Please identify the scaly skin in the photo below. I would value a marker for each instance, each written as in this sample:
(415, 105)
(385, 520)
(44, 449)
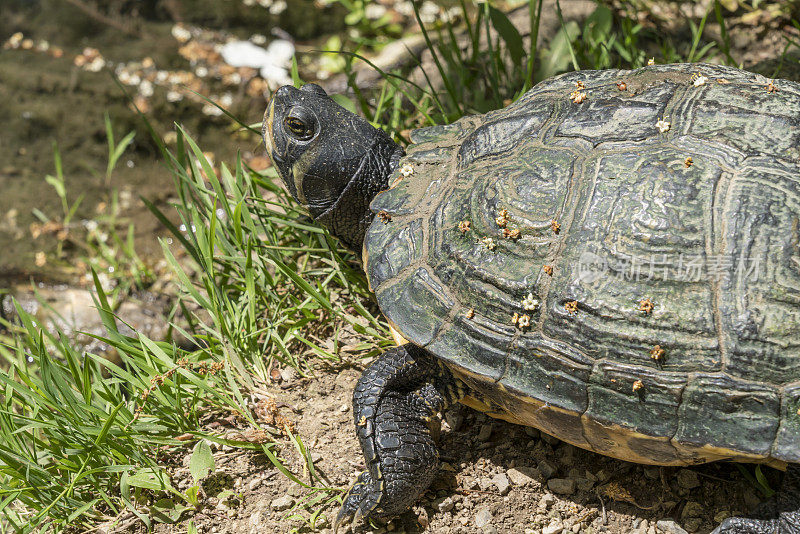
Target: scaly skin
(781, 513)
(396, 397)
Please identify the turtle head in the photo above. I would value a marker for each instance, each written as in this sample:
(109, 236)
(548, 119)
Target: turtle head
(332, 161)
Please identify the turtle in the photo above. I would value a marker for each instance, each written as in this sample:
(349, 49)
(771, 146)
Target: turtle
(612, 259)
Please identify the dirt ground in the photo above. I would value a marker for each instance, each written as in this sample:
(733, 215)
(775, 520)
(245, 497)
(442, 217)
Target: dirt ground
(497, 477)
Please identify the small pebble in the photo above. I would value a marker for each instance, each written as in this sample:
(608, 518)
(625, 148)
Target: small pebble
(688, 479)
(282, 503)
(500, 480)
(553, 528)
(483, 517)
(668, 526)
(721, 516)
(550, 440)
(692, 509)
(546, 468)
(444, 505)
(519, 477)
(564, 486)
(485, 432)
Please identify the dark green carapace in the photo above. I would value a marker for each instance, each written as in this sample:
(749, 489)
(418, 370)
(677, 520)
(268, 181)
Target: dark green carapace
(711, 241)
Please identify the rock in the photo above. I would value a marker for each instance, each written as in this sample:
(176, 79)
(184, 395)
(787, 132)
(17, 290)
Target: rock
(454, 419)
(489, 529)
(483, 517)
(255, 518)
(343, 408)
(443, 505)
(547, 500)
(72, 311)
(546, 468)
(553, 528)
(550, 440)
(721, 516)
(751, 499)
(254, 484)
(564, 486)
(692, 524)
(288, 374)
(519, 477)
(688, 479)
(584, 484)
(485, 432)
(500, 480)
(574, 473)
(651, 473)
(668, 526)
(282, 503)
(532, 432)
(692, 509)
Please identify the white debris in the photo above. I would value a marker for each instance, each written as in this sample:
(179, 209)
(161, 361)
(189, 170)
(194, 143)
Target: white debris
(96, 65)
(174, 96)
(700, 80)
(273, 61)
(226, 100)
(374, 11)
(146, 89)
(180, 33)
(662, 125)
(212, 110)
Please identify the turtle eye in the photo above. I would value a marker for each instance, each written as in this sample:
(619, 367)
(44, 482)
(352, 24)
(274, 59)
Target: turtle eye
(300, 129)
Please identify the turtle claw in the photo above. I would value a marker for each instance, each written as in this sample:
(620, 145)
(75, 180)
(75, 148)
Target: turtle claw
(738, 525)
(787, 523)
(359, 502)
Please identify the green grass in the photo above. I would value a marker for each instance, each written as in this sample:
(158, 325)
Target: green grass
(84, 440)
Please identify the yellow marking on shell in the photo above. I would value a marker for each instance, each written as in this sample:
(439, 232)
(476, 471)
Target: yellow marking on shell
(396, 335)
(609, 439)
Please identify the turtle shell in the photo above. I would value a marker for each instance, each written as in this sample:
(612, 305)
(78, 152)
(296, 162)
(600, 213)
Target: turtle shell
(613, 259)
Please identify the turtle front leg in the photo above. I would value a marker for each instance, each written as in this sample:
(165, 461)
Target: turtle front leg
(783, 509)
(393, 402)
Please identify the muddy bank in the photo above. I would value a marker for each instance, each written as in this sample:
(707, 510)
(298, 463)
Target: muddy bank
(50, 99)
